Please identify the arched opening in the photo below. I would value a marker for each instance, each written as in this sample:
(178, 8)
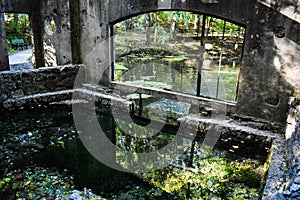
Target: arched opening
(179, 51)
(18, 38)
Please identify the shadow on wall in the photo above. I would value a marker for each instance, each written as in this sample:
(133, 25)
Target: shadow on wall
(283, 51)
(271, 72)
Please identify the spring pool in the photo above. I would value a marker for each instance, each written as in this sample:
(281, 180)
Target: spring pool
(42, 157)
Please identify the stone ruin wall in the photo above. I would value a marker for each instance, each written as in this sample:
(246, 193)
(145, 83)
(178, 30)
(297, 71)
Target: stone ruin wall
(270, 73)
(292, 189)
(57, 44)
(18, 84)
(270, 68)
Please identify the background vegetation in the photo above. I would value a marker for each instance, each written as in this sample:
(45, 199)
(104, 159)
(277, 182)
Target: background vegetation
(17, 26)
(183, 41)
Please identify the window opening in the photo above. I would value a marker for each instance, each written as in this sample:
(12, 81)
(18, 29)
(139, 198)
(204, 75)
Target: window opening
(18, 39)
(179, 51)
(50, 26)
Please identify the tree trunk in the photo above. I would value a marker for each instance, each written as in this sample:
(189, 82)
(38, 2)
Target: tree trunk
(148, 29)
(173, 29)
(16, 18)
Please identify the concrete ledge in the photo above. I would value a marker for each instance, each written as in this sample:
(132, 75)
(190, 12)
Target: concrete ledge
(104, 103)
(38, 99)
(198, 103)
(101, 102)
(283, 181)
(276, 174)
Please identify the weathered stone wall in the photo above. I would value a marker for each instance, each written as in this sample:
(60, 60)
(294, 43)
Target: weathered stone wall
(270, 71)
(292, 189)
(270, 68)
(17, 6)
(289, 8)
(57, 42)
(17, 84)
(96, 30)
(283, 181)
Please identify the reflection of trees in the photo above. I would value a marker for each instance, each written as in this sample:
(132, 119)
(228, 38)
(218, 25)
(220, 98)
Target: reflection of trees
(175, 22)
(221, 42)
(198, 172)
(211, 176)
(136, 138)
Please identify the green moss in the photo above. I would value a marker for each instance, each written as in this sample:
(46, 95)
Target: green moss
(174, 58)
(216, 178)
(145, 58)
(137, 96)
(120, 66)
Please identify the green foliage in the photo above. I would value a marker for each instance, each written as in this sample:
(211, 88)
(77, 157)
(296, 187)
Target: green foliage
(141, 20)
(52, 26)
(184, 21)
(4, 181)
(37, 182)
(217, 175)
(140, 142)
(12, 51)
(179, 32)
(174, 58)
(141, 194)
(61, 143)
(118, 76)
(217, 178)
(181, 17)
(17, 26)
(120, 66)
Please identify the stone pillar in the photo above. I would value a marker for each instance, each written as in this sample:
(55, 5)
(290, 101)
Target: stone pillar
(76, 31)
(37, 27)
(4, 65)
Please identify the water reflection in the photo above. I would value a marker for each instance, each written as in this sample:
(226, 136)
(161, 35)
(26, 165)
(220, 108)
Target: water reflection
(148, 47)
(199, 172)
(196, 173)
(181, 76)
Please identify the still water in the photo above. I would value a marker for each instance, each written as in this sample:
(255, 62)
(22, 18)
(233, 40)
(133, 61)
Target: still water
(181, 76)
(42, 157)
